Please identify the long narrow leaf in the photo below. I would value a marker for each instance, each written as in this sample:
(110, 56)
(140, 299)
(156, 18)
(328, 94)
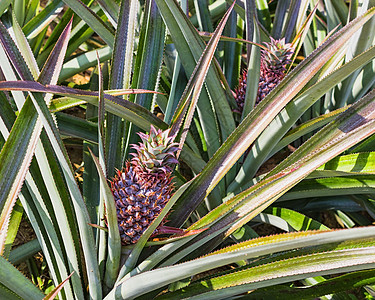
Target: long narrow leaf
(120, 76)
(190, 47)
(334, 285)
(114, 241)
(49, 74)
(15, 281)
(352, 126)
(131, 287)
(102, 29)
(75, 194)
(133, 112)
(79, 205)
(195, 83)
(330, 262)
(257, 121)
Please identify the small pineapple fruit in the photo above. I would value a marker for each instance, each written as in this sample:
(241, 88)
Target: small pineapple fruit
(272, 70)
(144, 186)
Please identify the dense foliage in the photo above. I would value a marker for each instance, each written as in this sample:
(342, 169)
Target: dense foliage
(236, 219)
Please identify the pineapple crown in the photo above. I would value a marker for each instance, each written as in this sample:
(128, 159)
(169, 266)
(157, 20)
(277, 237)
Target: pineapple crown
(156, 153)
(277, 55)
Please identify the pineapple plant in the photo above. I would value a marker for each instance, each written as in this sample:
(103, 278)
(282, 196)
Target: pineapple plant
(224, 203)
(274, 59)
(144, 186)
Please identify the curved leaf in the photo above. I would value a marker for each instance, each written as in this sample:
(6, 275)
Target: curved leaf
(114, 241)
(332, 186)
(15, 281)
(326, 144)
(133, 112)
(53, 294)
(92, 19)
(288, 117)
(331, 262)
(330, 286)
(190, 47)
(133, 287)
(257, 121)
(294, 220)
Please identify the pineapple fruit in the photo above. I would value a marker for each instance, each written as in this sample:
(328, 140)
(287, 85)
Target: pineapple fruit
(144, 186)
(272, 70)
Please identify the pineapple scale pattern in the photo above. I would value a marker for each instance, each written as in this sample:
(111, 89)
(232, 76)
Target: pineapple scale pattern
(144, 186)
